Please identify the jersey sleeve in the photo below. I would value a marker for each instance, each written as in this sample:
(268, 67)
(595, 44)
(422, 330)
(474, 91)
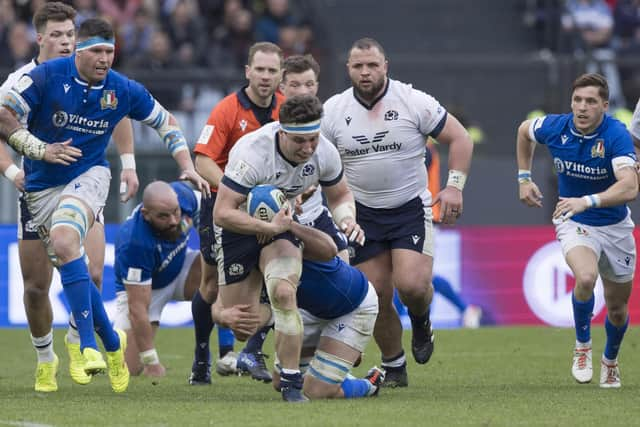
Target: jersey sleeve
(140, 100)
(135, 264)
(431, 116)
(188, 199)
(634, 127)
(623, 153)
(330, 163)
(326, 124)
(240, 175)
(215, 133)
(26, 94)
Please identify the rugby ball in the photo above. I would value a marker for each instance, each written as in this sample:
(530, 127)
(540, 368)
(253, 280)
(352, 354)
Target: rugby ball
(264, 202)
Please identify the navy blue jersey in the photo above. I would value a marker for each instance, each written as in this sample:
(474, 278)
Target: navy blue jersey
(584, 162)
(331, 289)
(142, 257)
(60, 105)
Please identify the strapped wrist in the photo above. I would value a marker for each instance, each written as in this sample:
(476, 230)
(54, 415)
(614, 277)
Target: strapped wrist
(128, 161)
(27, 144)
(457, 179)
(11, 172)
(149, 357)
(524, 176)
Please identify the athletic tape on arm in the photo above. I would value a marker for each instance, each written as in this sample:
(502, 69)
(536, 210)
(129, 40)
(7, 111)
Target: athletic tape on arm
(171, 135)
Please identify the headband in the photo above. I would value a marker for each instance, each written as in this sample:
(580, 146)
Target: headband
(303, 128)
(94, 41)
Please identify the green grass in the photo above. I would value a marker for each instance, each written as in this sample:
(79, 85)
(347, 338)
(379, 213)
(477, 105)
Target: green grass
(485, 377)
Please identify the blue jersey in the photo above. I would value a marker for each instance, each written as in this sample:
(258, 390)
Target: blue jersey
(144, 258)
(60, 105)
(331, 289)
(584, 162)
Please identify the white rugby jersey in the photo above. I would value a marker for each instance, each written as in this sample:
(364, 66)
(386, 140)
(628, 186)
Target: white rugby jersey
(382, 147)
(634, 127)
(13, 78)
(312, 208)
(255, 159)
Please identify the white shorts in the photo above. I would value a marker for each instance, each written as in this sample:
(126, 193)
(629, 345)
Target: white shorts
(92, 187)
(614, 246)
(353, 329)
(174, 291)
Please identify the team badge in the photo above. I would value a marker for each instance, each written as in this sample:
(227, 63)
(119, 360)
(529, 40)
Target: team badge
(243, 124)
(108, 100)
(598, 149)
(391, 115)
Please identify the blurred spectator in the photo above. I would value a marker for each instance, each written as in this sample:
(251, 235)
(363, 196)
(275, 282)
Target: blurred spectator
(7, 17)
(137, 35)
(278, 24)
(187, 33)
(121, 12)
(231, 42)
(543, 16)
(21, 47)
(627, 26)
(85, 9)
(589, 23)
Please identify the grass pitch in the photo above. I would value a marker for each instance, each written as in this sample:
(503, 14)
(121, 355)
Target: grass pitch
(485, 377)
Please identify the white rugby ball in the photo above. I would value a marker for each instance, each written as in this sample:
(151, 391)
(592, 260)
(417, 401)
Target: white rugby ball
(264, 202)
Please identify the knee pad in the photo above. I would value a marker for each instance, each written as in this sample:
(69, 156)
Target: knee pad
(288, 322)
(329, 368)
(73, 214)
(289, 269)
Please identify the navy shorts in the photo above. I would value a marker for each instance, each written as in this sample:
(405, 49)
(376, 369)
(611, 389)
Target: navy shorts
(27, 230)
(240, 254)
(406, 227)
(325, 223)
(206, 229)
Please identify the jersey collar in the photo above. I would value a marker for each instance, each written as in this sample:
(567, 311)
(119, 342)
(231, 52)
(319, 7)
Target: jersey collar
(281, 153)
(247, 103)
(375, 101)
(76, 76)
(596, 132)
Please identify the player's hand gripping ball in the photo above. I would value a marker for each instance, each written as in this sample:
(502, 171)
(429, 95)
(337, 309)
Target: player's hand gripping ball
(264, 202)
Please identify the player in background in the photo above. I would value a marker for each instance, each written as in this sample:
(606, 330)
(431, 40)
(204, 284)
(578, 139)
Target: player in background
(595, 161)
(238, 114)
(154, 266)
(291, 155)
(55, 35)
(79, 100)
(338, 306)
(379, 126)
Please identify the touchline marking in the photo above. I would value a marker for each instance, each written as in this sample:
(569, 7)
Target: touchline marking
(24, 424)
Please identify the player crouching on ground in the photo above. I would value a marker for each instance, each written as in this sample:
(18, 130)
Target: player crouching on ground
(338, 306)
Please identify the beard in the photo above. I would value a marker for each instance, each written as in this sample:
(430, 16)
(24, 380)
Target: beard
(369, 94)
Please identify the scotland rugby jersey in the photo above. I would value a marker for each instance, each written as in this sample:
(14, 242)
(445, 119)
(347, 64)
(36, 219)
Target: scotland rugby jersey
(634, 127)
(584, 163)
(142, 258)
(382, 146)
(331, 289)
(60, 105)
(256, 159)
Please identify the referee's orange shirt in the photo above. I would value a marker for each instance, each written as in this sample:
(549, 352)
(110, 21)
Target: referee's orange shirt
(231, 119)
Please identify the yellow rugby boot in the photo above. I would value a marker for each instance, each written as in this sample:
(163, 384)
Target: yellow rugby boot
(76, 363)
(94, 362)
(118, 370)
(46, 375)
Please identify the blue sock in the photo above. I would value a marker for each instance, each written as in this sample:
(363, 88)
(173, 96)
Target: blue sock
(76, 284)
(582, 312)
(444, 288)
(202, 325)
(354, 388)
(101, 322)
(614, 338)
(255, 342)
(226, 339)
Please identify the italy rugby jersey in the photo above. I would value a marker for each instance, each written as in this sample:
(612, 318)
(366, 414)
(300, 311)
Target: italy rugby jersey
(256, 159)
(382, 146)
(584, 163)
(331, 289)
(60, 105)
(142, 257)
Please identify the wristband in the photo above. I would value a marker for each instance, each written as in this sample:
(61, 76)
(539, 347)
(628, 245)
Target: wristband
(128, 161)
(343, 211)
(456, 179)
(27, 144)
(524, 176)
(149, 357)
(11, 172)
(593, 200)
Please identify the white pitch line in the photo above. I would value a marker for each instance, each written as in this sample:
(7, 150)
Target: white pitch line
(23, 424)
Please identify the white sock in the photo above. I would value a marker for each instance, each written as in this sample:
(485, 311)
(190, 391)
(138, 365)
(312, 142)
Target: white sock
(583, 344)
(73, 336)
(609, 361)
(398, 362)
(44, 347)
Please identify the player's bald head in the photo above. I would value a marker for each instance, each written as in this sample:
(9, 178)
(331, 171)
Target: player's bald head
(159, 194)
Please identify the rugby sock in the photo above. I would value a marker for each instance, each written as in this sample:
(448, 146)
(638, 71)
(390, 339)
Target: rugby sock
(397, 361)
(202, 325)
(225, 341)
(582, 312)
(354, 388)
(44, 347)
(102, 324)
(76, 284)
(73, 336)
(419, 323)
(614, 338)
(255, 342)
(444, 288)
